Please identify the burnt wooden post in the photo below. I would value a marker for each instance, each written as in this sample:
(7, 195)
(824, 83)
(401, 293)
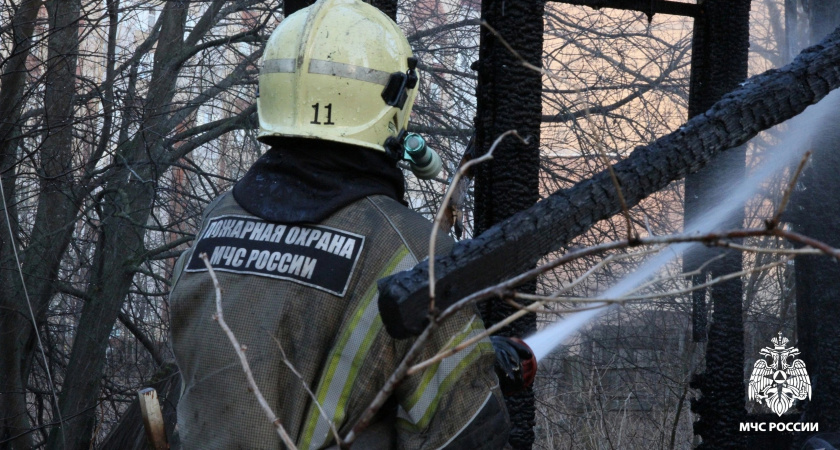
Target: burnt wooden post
(509, 98)
(718, 65)
(816, 214)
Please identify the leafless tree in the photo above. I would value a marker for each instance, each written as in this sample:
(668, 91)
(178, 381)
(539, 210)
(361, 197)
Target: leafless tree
(121, 119)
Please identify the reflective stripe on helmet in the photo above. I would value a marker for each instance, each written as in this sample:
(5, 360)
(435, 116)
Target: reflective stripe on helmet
(331, 68)
(286, 65)
(338, 69)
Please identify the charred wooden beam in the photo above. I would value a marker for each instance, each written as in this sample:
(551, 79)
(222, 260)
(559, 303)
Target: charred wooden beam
(518, 242)
(649, 7)
(720, 50)
(509, 98)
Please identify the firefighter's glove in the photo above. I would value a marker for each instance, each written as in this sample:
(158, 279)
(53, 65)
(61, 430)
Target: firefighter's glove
(516, 365)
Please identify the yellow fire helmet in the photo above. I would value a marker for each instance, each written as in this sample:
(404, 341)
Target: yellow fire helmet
(339, 70)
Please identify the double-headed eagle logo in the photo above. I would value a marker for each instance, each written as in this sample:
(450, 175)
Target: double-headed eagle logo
(779, 382)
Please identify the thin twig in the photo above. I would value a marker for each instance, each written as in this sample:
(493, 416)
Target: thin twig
(506, 321)
(240, 352)
(449, 352)
(445, 203)
(779, 251)
(774, 222)
(549, 73)
(395, 378)
(308, 390)
(713, 239)
(489, 331)
(690, 273)
(511, 50)
(598, 266)
(636, 298)
(539, 305)
(802, 239)
(632, 235)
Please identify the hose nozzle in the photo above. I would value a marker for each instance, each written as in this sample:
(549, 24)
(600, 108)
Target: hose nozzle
(515, 366)
(422, 160)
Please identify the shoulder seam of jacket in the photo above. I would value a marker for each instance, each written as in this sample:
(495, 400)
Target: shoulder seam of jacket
(213, 205)
(204, 215)
(394, 227)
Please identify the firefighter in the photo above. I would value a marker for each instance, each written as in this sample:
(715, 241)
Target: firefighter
(298, 245)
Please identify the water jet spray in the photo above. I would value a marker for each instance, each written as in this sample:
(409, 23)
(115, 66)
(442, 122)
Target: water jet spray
(783, 155)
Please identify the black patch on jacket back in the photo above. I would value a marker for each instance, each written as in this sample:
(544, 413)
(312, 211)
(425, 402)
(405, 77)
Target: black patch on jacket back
(307, 180)
(312, 255)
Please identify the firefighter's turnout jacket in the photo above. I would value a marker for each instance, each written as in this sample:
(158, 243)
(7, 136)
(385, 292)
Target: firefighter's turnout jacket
(308, 291)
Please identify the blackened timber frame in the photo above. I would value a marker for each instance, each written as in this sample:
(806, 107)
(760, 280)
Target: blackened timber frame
(509, 97)
(649, 7)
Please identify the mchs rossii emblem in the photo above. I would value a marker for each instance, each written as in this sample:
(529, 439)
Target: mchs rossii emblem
(779, 378)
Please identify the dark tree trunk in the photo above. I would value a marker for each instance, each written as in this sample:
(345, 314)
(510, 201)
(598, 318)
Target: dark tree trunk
(509, 98)
(123, 209)
(718, 65)
(15, 319)
(57, 202)
(120, 245)
(816, 213)
(122, 200)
